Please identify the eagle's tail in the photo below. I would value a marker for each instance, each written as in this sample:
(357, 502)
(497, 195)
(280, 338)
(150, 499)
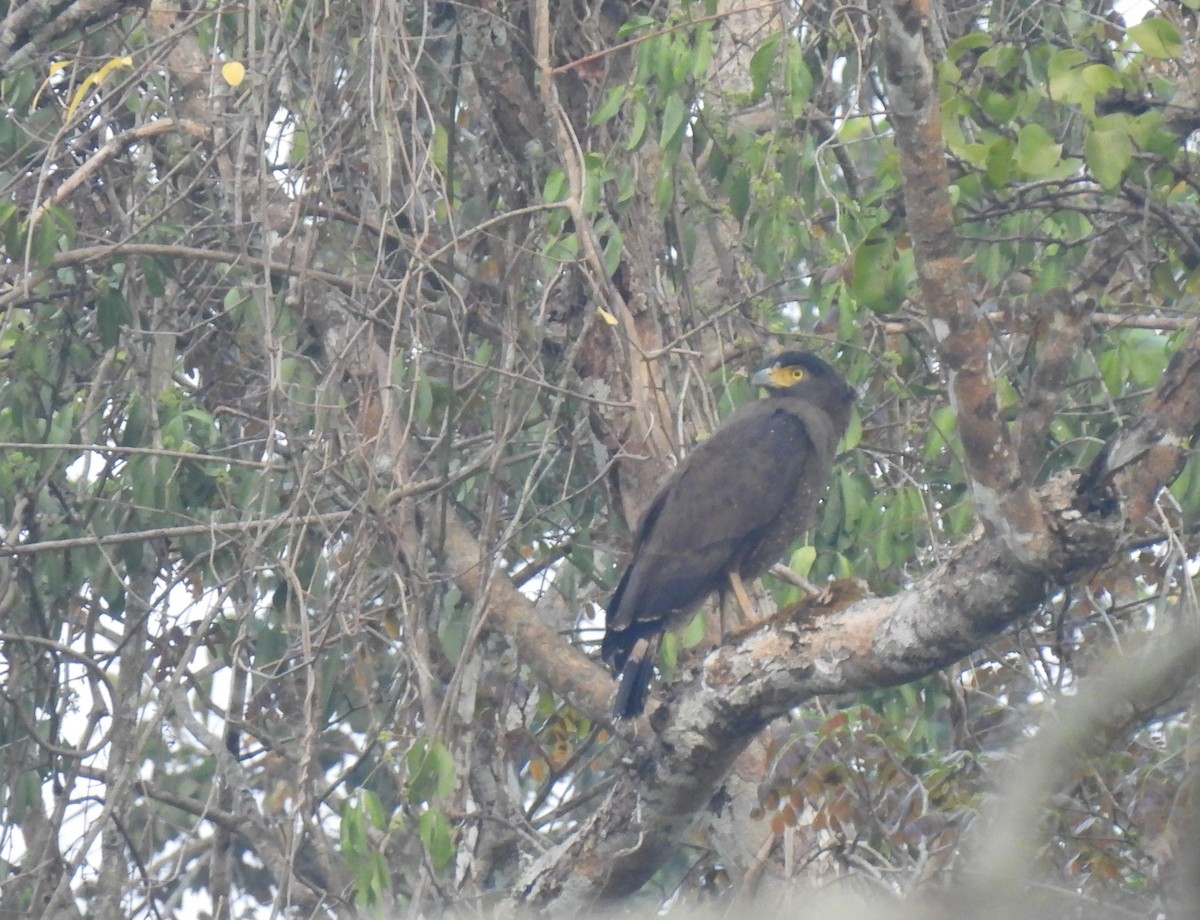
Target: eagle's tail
(636, 675)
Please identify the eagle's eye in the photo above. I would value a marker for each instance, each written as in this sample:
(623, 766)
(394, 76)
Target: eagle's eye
(797, 373)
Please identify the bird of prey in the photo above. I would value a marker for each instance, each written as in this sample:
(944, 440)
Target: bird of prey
(732, 507)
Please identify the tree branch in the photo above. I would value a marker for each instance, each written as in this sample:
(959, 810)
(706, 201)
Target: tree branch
(572, 674)
(1001, 497)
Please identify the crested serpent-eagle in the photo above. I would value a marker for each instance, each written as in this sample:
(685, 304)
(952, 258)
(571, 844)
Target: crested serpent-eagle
(732, 508)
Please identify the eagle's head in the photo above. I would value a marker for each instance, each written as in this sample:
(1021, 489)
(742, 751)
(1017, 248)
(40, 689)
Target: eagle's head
(801, 373)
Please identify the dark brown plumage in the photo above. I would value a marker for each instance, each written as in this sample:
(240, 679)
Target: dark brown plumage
(733, 507)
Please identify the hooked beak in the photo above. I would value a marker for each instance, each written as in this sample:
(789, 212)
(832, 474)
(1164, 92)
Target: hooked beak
(762, 378)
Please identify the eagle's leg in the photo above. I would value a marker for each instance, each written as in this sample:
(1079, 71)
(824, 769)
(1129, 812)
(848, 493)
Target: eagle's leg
(743, 599)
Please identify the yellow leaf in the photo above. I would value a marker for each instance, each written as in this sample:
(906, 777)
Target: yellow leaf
(79, 95)
(606, 316)
(93, 80)
(234, 73)
(112, 65)
(56, 67)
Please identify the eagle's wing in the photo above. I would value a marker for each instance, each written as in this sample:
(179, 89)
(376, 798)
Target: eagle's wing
(723, 501)
(734, 505)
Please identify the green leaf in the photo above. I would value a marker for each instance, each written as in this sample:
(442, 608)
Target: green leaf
(665, 63)
(8, 216)
(423, 399)
(799, 83)
(1036, 154)
(675, 115)
(1113, 370)
(62, 425)
(702, 53)
(625, 178)
(44, 245)
(153, 275)
(802, 560)
(1064, 76)
(664, 190)
(430, 770)
(26, 790)
(681, 63)
(1000, 59)
(300, 145)
(353, 830)
(1000, 108)
(737, 188)
(111, 314)
(761, 64)
(61, 224)
(637, 133)
(883, 554)
(952, 126)
(693, 634)
(999, 160)
(614, 246)
(853, 499)
(453, 628)
(1148, 356)
(874, 275)
(12, 229)
(1157, 38)
(1100, 79)
(942, 425)
(373, 808)
(434, 830)
(555, 187)
(1108, 155)
(635, 24)
(136, 420)
(854, 432)
(1149, 133)
(972, 42)
(611, 106)
(668, 653)
(1186, 489)
(564, 249)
